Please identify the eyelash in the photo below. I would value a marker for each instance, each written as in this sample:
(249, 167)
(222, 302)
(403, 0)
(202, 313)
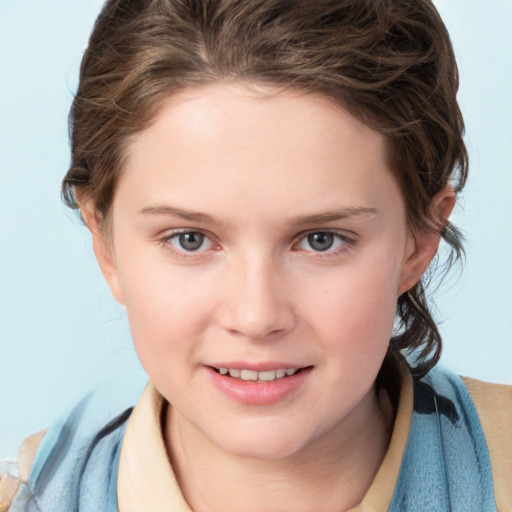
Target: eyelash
(343, 241)
(167, 242)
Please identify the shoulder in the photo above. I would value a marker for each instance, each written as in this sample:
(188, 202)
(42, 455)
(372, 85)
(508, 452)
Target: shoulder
(487, 403)
(485, 409)
(450, 452)
(491, 399)
(485, 398)
(76, 456)
(14, 473)
(493, 403)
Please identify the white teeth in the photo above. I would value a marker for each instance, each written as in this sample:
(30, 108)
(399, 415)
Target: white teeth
(249, 375)
(266, 376)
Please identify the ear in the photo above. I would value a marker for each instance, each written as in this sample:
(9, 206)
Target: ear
(423, 244)
(103, 248)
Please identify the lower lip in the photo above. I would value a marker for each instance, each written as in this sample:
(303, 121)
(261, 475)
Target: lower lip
(259, 392)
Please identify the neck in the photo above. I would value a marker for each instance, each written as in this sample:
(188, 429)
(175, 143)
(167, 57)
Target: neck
(330, 474)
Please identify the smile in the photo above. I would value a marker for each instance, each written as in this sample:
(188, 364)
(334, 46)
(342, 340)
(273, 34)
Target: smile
(259, 386)
(252, 375)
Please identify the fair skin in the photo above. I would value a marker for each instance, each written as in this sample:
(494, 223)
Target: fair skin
(263, 233)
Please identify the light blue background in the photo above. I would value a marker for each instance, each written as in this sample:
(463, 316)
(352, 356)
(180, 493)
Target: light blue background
(61, 333)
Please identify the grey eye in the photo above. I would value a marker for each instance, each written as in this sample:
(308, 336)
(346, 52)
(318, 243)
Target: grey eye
(321, 241)
(191, 241)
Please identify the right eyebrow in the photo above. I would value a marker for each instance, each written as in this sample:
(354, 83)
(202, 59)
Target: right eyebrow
(171, 211)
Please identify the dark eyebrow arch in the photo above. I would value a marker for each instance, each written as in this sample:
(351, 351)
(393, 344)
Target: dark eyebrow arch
(333, 215)
(181, 214)
(316, 218)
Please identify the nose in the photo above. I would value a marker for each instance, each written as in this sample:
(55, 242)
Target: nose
(257, 304)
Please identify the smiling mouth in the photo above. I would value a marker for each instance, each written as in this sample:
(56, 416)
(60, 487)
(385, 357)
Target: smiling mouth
(252, 375)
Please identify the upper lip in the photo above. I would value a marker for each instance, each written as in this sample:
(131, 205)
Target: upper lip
(257, 367)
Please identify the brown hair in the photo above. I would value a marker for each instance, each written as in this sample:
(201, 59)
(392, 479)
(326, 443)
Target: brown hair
(389, 62)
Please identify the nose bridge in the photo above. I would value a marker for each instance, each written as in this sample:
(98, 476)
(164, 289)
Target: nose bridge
(257, 304)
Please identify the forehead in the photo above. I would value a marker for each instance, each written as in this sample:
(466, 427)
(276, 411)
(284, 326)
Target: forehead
(244, 115)
(246, 141)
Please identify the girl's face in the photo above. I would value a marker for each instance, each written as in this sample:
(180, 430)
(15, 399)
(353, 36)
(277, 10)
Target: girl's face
(253, 238)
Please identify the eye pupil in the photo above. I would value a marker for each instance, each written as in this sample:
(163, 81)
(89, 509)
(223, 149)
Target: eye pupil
(191, 241)
(321, 241)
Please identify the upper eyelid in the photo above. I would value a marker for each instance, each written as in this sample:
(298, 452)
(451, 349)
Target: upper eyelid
(349, 241)
(168, 235)
(340, 232)
(171, 233)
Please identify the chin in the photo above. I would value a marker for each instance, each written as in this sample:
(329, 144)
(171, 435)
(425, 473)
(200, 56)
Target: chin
(265, 443)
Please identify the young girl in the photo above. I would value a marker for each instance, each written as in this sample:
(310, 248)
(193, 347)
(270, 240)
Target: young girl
(266, 183)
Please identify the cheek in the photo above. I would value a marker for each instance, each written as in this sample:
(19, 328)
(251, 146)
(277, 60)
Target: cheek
(353, 321)
(356, 309)
(164, 310)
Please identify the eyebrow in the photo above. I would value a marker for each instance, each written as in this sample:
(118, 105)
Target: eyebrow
(316, 218)
(182, 214)
(333, 215)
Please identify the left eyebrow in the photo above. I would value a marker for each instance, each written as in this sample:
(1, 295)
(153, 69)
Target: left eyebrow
(333, 215)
